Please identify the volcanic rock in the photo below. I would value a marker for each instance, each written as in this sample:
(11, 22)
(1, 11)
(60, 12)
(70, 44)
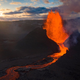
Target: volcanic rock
(37, 42)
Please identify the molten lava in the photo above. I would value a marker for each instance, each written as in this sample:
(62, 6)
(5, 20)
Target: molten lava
(56, 32)
(54, 28)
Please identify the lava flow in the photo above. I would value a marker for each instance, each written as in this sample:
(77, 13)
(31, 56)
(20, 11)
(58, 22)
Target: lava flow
(56, 32)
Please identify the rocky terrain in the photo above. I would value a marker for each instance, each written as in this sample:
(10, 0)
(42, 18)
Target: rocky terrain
(34, 46)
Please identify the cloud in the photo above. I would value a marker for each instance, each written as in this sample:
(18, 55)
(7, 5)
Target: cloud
(70, 6)
(37, 10)
(4, 0)
(15, 3)
(26, 12)
(22, 16)
(34, 0)
(52, 2)
(31, 10)
(26, 3)
(5, 10)
(31, 4)
(46, 1)
(11, 13)
(69, 9)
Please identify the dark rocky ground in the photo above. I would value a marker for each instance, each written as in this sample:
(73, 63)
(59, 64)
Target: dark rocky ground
(66, 68)
(36, 46)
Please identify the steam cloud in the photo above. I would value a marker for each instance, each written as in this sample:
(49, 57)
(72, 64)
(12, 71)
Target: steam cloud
(70, 6)
(73, 28)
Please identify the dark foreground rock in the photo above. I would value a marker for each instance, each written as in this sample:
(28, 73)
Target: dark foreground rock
(37, 40)
(66, 68)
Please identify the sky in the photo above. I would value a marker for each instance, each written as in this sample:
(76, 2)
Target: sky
(11, 10)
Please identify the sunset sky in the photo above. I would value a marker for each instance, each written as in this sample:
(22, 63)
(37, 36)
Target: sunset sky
(33, 9)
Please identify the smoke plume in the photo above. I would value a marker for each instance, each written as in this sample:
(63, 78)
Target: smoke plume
(73, 29)
(71, 10)
(70, 6)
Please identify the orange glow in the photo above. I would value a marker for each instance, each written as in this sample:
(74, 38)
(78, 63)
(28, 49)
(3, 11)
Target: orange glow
(54, 28)
(1, 13)
(56, 32)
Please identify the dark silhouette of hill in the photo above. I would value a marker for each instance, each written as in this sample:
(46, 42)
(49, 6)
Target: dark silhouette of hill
(66, 68)
(37, 41)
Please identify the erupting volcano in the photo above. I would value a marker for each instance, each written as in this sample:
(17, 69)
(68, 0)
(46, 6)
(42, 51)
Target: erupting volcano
(56, 32)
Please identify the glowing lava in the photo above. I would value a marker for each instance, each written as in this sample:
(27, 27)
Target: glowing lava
(54, 28)
(56, 32)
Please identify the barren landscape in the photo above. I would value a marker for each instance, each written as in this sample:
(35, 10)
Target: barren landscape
(25, 42)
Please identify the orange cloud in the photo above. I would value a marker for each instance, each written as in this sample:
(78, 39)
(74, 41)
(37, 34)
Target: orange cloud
(15, 3)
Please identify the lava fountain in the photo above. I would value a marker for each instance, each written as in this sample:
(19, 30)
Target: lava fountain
(56, 32)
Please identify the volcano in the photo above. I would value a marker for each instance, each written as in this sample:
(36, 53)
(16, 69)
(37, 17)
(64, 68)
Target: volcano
(68, 65)
(37, 42)
(44, 69)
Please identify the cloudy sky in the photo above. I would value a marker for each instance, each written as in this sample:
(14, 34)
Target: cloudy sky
(11, 10)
